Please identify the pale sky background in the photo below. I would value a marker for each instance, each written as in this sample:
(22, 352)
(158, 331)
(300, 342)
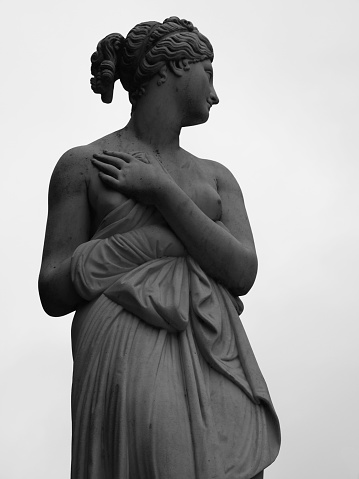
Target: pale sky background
(287, 74)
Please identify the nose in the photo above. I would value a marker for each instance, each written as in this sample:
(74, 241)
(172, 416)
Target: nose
(214, 98)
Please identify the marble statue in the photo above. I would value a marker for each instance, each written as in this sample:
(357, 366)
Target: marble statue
(151, 246)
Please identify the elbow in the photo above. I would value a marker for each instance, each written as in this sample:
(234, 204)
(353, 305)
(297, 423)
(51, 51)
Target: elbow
(51, 303)
(245, 278)
(54, 309)
(241, 289)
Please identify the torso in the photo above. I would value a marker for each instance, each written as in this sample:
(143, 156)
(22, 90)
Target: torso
(194, 175)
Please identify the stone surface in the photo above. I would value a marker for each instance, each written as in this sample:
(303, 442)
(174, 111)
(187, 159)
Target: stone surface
(151, 246)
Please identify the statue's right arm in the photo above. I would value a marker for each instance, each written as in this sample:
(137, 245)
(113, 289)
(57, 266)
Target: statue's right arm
(68, 226)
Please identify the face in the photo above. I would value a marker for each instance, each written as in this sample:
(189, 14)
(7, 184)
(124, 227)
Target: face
(199, 94)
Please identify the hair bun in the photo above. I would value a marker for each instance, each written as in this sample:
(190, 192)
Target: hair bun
(182, 23)
(138, 58)
(104, 65)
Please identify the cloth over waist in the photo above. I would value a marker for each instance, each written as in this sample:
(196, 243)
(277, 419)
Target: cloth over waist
(137, 261)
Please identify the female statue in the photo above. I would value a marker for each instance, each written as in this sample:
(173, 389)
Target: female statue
(152, 246)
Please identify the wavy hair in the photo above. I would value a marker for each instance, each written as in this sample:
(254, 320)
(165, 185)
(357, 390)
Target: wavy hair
(134, 60)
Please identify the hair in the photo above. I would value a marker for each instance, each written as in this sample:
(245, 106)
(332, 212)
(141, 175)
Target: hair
(134, 60)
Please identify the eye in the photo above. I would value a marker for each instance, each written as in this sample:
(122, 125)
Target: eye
(210, 74)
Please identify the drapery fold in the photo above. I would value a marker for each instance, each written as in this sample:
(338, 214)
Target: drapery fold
(155, 296)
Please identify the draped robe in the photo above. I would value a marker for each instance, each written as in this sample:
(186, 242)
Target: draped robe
(165, 383)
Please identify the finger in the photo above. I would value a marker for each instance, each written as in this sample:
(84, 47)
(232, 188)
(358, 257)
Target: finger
(108, 169)
(109, 180)
(119, 154)
(110, 160)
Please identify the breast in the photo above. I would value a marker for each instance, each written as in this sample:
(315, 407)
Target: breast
(200, 188)
(207, 199)
(197, 178)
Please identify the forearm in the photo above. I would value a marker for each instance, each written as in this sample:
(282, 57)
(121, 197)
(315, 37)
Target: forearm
(216, 250)
(57, 292)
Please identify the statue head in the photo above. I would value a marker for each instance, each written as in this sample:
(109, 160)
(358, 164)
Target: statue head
(136, 59)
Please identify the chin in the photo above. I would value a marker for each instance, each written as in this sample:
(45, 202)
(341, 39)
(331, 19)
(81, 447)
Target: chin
(196, 120)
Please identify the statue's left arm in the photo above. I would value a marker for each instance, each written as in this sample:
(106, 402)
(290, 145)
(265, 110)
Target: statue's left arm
(226, 254)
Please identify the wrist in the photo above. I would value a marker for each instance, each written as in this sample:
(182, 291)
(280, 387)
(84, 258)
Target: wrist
(166, 191)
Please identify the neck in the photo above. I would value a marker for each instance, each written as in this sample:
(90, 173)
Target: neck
(154, 133)
(156, 121)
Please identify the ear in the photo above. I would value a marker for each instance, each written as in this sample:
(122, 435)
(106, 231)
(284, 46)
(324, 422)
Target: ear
(178, 67)
(163, 73)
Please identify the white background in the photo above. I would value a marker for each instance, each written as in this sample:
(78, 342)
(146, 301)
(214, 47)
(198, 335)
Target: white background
(287, 74)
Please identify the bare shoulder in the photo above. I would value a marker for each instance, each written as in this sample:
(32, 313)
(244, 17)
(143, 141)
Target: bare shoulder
(71, 173)
(74, 168)
(76, 159)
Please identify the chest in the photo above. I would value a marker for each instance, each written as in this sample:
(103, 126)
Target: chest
(198, 183)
